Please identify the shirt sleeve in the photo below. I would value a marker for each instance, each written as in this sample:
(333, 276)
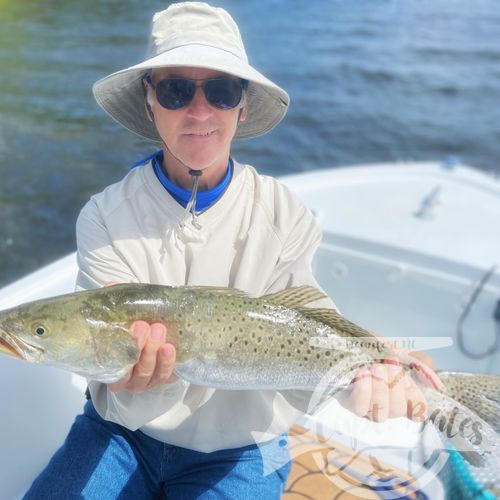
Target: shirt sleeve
(294, 266)
(99, 263)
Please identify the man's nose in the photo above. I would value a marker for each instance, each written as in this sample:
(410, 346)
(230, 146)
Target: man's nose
(199, 106)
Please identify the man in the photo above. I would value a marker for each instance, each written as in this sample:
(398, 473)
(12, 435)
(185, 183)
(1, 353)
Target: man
(192, 215)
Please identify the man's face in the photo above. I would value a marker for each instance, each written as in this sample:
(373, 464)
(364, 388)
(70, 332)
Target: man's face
(199, 135)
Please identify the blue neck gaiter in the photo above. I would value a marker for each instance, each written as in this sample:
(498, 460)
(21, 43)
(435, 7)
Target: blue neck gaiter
(204, 199)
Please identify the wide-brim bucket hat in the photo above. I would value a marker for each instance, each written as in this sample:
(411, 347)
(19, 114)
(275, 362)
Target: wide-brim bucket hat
(198, 35)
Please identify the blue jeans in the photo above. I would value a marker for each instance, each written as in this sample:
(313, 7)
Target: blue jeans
(101, 460)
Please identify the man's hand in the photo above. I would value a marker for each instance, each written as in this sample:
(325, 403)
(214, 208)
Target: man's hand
(385, 391)
(156, 363)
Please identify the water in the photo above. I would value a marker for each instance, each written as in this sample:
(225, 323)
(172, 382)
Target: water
(370, 81)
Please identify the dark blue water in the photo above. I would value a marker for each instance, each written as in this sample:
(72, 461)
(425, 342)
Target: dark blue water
(370, 81)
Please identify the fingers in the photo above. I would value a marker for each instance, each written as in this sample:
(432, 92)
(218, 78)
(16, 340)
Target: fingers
(369, 395)
(423, 366)
(359, 398)
(416, 402)
(140, 330)
(156, 362)
(423, 358)
(422, 363)
(164, 364)
(145, 368)
(385, 391)
(397, 389)
(380, 397)
(401, 395)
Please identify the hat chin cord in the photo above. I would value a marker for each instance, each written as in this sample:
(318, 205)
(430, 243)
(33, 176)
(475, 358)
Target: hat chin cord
(191, 204)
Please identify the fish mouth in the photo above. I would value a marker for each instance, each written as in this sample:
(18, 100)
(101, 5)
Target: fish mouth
(16, 347)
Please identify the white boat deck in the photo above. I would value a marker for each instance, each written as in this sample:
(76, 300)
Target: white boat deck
(451, 213)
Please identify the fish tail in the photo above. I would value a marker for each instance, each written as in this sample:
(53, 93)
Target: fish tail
(467, 413)
(479, 393)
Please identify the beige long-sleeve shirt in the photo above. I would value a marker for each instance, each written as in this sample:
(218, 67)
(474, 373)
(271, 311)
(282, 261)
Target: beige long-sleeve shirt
(257, 238)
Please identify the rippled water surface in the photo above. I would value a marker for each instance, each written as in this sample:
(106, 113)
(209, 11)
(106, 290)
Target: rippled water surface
(369, 80)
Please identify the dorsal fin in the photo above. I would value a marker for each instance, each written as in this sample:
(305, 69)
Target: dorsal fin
(295, 297)
(333, 319)
(345, 328)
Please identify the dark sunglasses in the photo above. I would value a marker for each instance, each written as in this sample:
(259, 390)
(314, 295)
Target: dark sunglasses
(176, 93)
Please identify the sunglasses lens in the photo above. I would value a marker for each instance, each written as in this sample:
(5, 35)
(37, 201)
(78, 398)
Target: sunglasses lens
(223, 93)
(175, 93)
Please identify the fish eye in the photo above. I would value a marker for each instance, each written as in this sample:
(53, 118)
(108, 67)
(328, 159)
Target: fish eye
(40, 330)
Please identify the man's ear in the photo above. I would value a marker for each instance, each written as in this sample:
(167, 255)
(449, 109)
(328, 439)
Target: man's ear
(243, 114)
(149, 111)
(148, 101)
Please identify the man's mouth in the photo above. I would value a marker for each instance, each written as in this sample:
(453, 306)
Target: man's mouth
(201, 134)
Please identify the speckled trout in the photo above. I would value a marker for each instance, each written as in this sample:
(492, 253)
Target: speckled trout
(223, 338)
